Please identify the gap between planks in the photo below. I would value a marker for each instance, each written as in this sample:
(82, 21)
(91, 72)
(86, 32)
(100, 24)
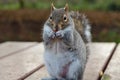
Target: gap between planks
(20, 64)
(31, 72)
(38, 68)
(107, 62)
(20, 50)
(113, 69)
(99, 77)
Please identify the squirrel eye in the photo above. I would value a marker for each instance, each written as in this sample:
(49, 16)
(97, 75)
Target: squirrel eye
(50, 17)
(65, 18)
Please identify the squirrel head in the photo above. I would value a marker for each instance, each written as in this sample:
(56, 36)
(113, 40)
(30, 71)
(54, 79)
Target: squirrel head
(59, 18)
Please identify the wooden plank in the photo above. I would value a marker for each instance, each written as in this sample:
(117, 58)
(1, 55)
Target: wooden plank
(17, 65)
(9, 48)
(99, 54)
(113, 69)
(38, 75)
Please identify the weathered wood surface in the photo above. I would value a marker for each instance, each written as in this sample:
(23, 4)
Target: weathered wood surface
(99, 54)
(113, 70)
(17, 65)
(9, 48)
(25, 63)
(38, 75)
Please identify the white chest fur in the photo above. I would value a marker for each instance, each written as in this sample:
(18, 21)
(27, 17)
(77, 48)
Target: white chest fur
(56, 62)
(56, 59)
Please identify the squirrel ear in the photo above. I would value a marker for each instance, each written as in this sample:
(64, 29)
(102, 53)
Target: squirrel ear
(66, 8)
(52, 7)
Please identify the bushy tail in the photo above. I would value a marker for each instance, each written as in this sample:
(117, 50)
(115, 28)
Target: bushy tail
(82, 25)
(86, 29)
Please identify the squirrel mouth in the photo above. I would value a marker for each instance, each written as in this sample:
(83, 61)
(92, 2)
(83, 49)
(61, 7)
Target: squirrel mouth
(56, 29)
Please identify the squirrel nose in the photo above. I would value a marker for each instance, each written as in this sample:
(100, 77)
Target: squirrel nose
(56, 28)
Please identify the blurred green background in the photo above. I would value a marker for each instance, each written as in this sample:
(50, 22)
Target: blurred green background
(102, 5)
(22, 20)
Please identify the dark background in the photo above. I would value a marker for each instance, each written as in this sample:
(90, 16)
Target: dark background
(22, 20)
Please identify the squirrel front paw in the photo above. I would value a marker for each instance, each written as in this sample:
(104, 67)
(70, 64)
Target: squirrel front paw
(51, 35)
(59, 34)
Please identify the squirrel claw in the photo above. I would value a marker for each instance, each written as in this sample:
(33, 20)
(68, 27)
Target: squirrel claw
(59, 34)
(52, 35)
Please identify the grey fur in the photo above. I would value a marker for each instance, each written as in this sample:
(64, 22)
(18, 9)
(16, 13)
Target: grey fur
(83, 27)
(62, 47)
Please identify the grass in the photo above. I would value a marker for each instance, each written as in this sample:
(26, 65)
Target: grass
(11, 6)
(109, 36)
(38, 5)
(106, 77)
(103, 5)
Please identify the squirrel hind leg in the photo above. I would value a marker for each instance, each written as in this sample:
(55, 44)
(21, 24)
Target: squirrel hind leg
(54, 79)
(49, 79)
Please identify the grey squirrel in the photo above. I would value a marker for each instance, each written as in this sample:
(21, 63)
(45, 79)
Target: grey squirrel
(65, 36)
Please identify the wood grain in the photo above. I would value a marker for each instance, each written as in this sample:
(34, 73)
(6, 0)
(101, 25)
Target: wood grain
(17, 65)
(100, 53)
(113, 69)
(9, 48)
(38, 75)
